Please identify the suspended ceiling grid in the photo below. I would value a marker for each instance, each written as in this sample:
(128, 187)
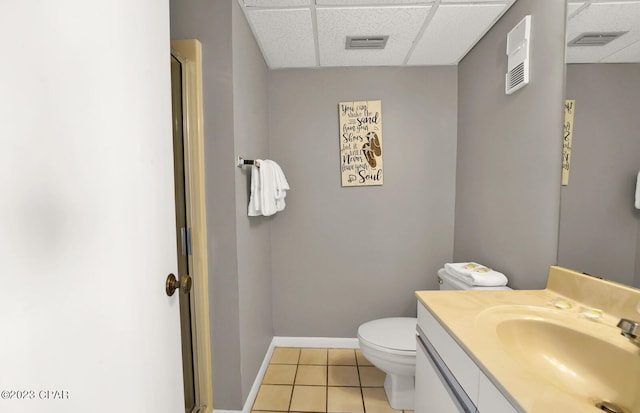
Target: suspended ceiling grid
(604, 16)
(312, 33)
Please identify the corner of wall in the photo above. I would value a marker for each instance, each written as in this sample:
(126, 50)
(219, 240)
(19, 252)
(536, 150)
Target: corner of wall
(509, 150)
(251, 140)
(210, 22)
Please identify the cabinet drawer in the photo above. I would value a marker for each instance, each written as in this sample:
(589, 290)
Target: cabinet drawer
(463, 368)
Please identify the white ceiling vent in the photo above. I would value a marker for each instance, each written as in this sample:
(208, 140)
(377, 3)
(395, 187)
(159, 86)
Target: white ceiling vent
(595, 39)
(366, 42)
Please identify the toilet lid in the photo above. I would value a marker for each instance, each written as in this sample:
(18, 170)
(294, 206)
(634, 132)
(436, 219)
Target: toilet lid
(397, 333)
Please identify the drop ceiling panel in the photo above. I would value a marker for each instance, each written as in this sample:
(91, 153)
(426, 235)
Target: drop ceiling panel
(453, 30)
(574, 6)
(401, 24)
(606, 17)
(276, 3)
(474, 1)
(285, 37)
(369, 2)
(630, 53)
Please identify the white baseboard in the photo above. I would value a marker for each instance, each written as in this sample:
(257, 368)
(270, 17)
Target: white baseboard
(315, 342)
(248, 404)
(310, 342)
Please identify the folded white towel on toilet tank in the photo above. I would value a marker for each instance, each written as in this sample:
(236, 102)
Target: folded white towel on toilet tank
(472, 273)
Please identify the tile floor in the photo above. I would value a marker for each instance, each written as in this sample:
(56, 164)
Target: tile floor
(321, 380)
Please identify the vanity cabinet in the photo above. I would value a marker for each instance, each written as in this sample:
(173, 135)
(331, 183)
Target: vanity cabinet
(447, 379)
(432, 392)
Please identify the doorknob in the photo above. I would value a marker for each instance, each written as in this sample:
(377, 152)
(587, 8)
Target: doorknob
(173, 283)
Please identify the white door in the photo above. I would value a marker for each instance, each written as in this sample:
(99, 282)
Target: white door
(86, 209)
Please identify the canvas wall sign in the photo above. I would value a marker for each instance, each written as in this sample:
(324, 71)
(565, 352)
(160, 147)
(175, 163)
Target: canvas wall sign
(361, 143)
(567, 139)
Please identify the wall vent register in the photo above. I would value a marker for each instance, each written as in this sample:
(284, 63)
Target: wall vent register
(366, 42)
(595, 39)
(518, 41)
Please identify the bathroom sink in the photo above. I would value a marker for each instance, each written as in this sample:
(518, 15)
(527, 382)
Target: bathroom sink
(588, 359)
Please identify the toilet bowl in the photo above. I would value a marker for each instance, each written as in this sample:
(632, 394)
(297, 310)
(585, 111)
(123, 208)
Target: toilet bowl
(390, 345)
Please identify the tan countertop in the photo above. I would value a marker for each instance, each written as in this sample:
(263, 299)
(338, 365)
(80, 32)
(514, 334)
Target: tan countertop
(462, 314)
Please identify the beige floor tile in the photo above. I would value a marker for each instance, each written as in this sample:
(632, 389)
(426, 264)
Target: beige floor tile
(311, 375)
(375, 401)
(280, 374)
(285, 355)
(361, 359)
(273, 398)
(371, 376)
(309, 399)
(342, 357)
(344, 399)
(313, 356)
(343, 376)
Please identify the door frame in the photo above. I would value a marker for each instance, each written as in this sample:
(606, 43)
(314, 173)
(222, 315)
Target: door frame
(189, 53)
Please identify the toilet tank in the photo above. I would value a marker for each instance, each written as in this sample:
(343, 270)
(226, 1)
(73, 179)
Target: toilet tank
(448, 282)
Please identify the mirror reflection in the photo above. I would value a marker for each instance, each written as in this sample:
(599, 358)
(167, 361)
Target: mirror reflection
(599, 222)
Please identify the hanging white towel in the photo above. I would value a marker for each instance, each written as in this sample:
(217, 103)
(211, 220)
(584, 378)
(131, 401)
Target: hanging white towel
(268, 189)
(638, 192)
(256, 198)
(281, 186)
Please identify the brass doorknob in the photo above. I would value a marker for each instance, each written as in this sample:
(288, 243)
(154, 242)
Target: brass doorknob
(184, 284)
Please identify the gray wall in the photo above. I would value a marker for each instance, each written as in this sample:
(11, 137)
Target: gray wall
(337, 257)
(210, 22)
(509, 150)
(342, 256)
(234, 88)
(599, 225)
(636, 280)
(251, 122)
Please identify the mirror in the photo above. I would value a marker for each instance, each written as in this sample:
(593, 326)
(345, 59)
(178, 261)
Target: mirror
(599, 224)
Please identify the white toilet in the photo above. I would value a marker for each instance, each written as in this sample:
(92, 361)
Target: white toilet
(390, 345)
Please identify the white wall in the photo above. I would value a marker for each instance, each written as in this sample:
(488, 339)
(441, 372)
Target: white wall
(86, 179)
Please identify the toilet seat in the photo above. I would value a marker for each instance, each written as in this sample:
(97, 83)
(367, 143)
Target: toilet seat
(396, 335)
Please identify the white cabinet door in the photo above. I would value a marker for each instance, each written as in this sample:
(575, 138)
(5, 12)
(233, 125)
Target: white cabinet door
(458, 362)
(87, 211)
(491, 399)
(432, 394)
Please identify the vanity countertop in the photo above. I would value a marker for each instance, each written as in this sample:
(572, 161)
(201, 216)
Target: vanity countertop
(472, 317)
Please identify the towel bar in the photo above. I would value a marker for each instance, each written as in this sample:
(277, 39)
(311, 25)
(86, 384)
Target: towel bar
(240, 162)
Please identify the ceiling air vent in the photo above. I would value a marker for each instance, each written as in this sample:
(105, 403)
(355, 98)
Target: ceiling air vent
(366, 42)
(594, 39)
